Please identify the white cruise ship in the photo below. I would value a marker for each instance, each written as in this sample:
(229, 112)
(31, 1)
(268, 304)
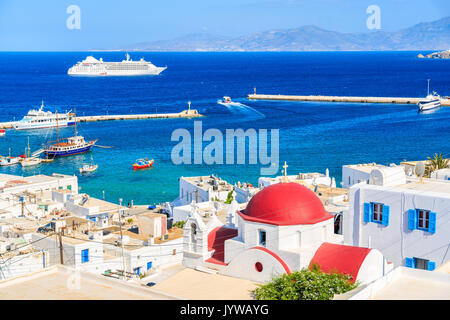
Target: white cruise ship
(93, 67)
(39, 119)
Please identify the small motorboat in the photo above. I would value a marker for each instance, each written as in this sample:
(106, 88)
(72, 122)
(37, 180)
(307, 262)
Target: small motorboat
(142, 164)
(226, 101)
(9, 161)
(2, 132)
(86, 168)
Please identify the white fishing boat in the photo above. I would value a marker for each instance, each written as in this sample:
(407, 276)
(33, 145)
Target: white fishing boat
(88, 167)
(431, 102)
(30, 161)
(9, 161)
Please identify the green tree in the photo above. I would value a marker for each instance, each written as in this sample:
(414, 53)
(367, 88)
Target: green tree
(307, 284)
(438, 162)
(179, 224)
(229, 197)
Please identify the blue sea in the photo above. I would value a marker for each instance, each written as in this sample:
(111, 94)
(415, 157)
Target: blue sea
(313, 136)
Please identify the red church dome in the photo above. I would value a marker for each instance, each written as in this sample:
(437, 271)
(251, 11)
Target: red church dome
(285, 204)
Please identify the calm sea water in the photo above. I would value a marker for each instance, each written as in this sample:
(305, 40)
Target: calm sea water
(313, 136)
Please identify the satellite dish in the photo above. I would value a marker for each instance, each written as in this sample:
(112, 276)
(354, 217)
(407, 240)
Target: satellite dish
(419, 169)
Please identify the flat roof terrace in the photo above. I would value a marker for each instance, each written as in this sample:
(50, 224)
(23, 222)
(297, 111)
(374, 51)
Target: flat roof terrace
(63, 283)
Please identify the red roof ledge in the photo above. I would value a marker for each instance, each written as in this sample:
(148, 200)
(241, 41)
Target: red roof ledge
(216, 241)
(285, 204)
(340, 258)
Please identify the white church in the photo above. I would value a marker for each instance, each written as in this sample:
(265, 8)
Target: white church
(284, 228)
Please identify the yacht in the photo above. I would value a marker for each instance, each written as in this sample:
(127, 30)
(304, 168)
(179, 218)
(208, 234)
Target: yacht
(432, 101)
(39, 119)
(93, 67)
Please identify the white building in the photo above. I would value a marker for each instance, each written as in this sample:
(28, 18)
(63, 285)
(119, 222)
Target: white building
(201, 189)
(283, 228)
(441, 174)
(78, 253)
(405, 218)
(311, 178)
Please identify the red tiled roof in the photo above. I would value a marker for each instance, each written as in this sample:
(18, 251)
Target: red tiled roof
(341, 258)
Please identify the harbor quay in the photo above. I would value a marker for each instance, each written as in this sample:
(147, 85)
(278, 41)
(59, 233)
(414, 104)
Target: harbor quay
(321, 98)
(190, 113)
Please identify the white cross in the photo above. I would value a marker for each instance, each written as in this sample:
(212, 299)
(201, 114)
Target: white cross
(285, 169)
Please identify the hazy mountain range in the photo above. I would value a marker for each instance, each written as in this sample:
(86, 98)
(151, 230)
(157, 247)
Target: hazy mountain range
(423, 36)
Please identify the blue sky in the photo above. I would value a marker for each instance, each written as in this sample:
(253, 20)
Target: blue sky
(31, 25)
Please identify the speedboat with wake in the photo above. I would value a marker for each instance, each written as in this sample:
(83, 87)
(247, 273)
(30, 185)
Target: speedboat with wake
(431, 102)
(226, 101)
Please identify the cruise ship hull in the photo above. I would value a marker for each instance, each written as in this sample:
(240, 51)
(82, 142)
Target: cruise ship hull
(117, 73)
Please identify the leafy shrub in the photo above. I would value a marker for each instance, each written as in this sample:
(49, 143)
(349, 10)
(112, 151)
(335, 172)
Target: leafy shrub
(307, 284)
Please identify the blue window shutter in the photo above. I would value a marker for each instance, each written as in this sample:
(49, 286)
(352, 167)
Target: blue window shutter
(149, 265)
(432, 222)
(385, 218)
(431, 265)
(367, 212)
(412, 219)
(410, 263)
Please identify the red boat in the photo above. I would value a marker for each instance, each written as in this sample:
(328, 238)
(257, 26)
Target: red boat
(142, 164)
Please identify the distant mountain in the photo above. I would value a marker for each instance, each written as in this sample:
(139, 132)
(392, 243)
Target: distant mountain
(423, 36)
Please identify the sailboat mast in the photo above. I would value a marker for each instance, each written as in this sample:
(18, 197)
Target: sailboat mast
(75, 114)
(57, 128)
(28, 149)
(428, 90)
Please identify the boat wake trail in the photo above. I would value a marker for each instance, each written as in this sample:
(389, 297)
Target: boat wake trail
(238, 108)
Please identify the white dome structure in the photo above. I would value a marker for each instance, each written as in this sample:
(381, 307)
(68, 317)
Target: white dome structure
(387, 176)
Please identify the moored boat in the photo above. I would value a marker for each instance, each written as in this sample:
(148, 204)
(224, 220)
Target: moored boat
(142, 164)
(71, 146)
(2, 132)
(431, 102)
(39, 119)
(88, 167)
(29, 162)
(9, 161)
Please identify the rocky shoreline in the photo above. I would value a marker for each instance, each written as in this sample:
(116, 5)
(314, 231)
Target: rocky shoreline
(436, 55)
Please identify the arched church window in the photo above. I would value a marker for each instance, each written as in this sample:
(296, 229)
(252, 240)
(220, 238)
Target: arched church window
(193, 232)
(262, 237)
